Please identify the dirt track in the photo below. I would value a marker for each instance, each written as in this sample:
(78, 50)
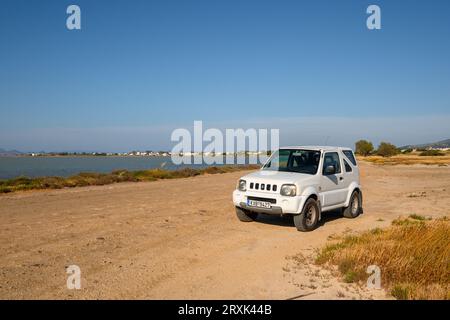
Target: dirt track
(181, 239)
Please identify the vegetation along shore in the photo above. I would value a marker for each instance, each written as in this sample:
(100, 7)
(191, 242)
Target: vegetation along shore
(92, 179)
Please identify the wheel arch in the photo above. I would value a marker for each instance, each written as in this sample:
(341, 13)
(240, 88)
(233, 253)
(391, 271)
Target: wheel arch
(311, 193)
(352, 188)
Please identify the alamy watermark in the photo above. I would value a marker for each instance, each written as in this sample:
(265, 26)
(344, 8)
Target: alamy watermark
(373, 22)
(74, 278)
(374, 280)
(213, 146)
(73, 21)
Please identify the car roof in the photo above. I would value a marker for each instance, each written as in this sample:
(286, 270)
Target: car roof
(318, 148)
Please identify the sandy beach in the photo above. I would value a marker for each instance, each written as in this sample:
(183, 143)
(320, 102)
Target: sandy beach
(180, 239)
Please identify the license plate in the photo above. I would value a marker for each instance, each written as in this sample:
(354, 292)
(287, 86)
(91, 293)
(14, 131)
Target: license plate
(259, 204)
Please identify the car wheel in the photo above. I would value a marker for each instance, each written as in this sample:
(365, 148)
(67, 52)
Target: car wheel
(355, 206)
(246, 216)
(309, 217)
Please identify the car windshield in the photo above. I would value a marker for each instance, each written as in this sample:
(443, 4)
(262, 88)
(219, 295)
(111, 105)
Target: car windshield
(294, 160)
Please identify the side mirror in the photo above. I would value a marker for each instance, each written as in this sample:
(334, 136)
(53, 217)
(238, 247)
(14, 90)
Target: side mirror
(330, 169)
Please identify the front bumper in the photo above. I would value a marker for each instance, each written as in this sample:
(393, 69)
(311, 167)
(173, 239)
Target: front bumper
(283, 205)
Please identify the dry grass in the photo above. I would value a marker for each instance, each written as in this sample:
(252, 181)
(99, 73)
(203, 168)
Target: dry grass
(408, 160)
(413, 255)
(90, 179)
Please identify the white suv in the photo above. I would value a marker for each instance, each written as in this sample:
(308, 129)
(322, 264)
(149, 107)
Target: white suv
(303, 182)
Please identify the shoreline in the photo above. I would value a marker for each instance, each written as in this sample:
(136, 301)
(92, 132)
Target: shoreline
(83, 179)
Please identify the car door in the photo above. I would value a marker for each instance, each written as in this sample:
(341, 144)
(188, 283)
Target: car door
(348, 176)
(332, 185)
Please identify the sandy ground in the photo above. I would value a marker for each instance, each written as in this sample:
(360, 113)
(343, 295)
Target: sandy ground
(180, 239)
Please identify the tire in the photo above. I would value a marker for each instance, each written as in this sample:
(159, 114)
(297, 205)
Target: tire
(309, 217)
(355, 206)
(246, 216)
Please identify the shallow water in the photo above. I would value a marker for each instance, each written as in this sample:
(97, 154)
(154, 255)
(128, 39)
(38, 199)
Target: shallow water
(11, 167)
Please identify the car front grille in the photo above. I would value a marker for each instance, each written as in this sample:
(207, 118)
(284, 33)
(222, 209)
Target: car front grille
(263, 186)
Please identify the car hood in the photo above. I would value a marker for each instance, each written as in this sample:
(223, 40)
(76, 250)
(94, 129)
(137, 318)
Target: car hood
(277, 176)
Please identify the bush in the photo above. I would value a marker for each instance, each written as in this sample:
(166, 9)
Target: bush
(4, 189)
(386, 149)
(417, 217)
(363, 147)
(413, 256)
(433, 153)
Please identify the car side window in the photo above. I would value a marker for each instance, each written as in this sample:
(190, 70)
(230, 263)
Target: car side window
(331, 159)
(348, 167)
(350, 156)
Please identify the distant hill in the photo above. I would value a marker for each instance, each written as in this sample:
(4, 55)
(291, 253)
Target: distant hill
(9, 153)
(439, 144)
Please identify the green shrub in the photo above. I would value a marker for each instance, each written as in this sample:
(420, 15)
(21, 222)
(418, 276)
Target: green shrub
(386, 149)
(417, 217)
(400, 292)
(433, 153)
(363, 147)
(4, 189)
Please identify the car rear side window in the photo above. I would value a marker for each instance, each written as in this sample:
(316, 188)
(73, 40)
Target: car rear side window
(348, 168)
(350, 156)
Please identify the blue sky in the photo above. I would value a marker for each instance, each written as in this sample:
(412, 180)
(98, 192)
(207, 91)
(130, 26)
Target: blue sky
(139, 69)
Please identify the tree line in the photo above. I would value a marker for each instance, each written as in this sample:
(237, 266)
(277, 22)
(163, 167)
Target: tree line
(366, 148)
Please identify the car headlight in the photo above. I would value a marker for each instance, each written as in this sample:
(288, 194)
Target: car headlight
(289, 190)
(242, 185)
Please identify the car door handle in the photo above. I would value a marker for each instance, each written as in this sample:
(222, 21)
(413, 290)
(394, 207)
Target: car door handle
(341, 178)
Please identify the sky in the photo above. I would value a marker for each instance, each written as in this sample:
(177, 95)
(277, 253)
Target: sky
(137, 70)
